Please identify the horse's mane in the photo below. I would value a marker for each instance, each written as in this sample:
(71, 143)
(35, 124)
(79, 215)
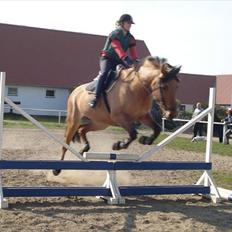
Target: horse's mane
(158, 62)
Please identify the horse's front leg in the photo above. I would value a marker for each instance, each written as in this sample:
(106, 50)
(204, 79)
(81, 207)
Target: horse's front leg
(129, 126)
(125, 143)
(148, 121)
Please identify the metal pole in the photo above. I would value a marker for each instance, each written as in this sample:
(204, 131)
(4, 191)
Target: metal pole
(209, 142)
(224, 132)
(59, 115)
(210, 125)
(163, 124)
(3, 202)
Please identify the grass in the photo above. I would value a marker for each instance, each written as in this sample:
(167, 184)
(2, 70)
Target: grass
(223, 178)
(184, 143)
(18, 121)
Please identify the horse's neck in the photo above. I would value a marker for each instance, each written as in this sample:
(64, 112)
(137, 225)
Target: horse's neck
(134, 88)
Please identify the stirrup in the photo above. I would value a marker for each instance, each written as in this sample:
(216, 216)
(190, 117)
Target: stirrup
(93, 103)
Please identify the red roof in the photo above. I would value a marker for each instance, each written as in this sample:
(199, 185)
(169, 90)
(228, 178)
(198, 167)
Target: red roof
(194, 88)
(224, 89)
(51, 58)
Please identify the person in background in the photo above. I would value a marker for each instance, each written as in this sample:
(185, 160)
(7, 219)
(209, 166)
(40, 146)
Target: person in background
(228, 121)
(114, 52)
(218, 128)
(198, 127)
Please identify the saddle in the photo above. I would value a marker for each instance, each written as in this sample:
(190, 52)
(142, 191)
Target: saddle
(111, 79)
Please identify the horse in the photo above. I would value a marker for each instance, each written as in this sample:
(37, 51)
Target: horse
(130, 101)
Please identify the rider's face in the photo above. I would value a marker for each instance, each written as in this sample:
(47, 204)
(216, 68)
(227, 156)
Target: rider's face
(127, 26)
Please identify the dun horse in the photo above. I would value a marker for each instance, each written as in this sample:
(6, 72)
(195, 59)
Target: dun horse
(130, 101)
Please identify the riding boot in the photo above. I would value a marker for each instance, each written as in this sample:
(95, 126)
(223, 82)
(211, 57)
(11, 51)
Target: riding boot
(99, 89)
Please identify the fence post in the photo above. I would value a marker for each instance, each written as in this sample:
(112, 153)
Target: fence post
(224, 132)
(3, 202)
(163, 124)
(209, 141)
(59, 116)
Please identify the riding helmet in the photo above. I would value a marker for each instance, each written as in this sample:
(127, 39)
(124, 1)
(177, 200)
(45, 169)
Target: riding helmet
(126, 18)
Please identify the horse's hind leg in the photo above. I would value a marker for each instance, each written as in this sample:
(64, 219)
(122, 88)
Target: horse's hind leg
(70, 132)
(83, 130)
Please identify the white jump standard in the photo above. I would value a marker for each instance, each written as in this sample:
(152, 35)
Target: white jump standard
(112, 163)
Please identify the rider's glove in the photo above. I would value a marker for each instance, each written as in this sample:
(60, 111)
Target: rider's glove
(127, 62)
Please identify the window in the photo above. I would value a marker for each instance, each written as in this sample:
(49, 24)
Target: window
(50, 93)
(12, 91)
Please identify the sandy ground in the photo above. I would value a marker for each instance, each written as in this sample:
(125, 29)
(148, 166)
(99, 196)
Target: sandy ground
(155, 213)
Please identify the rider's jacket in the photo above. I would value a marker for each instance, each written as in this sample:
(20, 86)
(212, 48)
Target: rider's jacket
(118, 43)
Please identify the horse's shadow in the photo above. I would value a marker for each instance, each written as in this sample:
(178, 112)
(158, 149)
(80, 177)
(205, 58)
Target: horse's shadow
(203, 211)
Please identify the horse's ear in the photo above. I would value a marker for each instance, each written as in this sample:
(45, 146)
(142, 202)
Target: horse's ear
(177, 69)
(174, 71)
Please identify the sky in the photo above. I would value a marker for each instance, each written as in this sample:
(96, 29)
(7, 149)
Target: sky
(194, 34)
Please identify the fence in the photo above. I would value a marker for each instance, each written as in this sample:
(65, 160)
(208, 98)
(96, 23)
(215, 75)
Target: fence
(224, 124)
(59, 113)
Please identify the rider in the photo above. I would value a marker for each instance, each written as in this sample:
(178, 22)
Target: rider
(114, 52)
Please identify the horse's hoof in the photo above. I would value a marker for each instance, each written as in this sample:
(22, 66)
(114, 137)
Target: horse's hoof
(56, 172)
(84, 149)
(149, 141)
(145, 140)
(116, 146)
(123, 145)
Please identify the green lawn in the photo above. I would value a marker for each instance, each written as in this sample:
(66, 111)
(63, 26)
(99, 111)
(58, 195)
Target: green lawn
(183, 143)
(18, 121)
(223, 178)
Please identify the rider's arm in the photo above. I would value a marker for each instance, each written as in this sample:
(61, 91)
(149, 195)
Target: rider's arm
(118, 48)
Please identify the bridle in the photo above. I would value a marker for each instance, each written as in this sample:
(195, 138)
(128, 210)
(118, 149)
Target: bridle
(161, 86)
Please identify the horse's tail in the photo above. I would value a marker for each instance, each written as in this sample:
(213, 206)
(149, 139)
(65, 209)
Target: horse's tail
(72, 120)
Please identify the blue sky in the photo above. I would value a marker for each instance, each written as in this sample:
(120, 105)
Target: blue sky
(194, 34)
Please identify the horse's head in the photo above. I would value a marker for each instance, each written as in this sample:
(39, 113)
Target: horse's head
(166, 90)
(162, 81)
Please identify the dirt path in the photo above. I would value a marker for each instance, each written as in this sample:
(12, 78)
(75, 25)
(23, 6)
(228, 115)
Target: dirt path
(156, 213)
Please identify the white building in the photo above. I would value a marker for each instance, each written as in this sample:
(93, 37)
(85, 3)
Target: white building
(38, 100)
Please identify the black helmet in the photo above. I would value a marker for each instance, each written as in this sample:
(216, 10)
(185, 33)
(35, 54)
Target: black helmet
(126, 18)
